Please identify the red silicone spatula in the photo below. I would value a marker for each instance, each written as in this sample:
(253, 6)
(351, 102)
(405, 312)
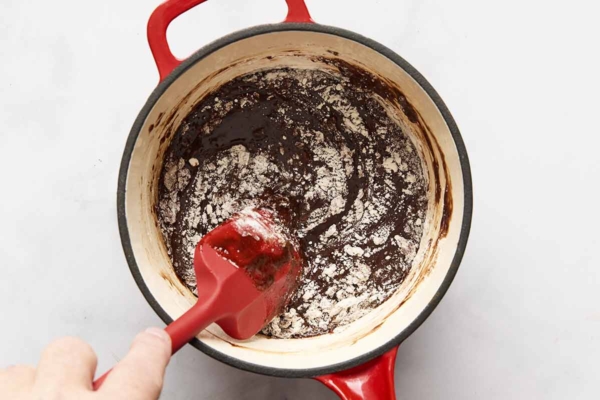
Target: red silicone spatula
(246, 270)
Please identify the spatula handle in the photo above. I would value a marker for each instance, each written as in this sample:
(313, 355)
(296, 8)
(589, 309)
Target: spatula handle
(98, 382)
(194, 321)
(185, 328)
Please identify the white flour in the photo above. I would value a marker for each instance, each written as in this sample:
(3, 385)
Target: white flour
(354, 259)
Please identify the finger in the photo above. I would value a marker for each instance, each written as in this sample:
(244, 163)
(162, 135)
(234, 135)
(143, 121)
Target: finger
(67, 362)
(16, 379)
(140, 374)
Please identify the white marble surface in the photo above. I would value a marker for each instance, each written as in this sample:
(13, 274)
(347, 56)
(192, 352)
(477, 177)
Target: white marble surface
(522, 319)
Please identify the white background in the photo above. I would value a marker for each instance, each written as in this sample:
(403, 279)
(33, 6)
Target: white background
(522, 319)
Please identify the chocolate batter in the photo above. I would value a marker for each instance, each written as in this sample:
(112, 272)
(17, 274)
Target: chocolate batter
(319, 148)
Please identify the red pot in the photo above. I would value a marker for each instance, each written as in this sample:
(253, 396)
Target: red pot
(357, 363)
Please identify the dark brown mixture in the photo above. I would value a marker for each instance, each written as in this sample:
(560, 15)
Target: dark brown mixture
(319, 148)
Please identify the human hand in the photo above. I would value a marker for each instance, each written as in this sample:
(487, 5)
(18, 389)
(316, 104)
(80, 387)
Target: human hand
(67, 366)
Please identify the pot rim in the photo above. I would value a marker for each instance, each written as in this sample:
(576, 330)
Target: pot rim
(310, 27)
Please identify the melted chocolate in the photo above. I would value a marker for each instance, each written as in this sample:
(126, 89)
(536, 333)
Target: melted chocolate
(284, 118)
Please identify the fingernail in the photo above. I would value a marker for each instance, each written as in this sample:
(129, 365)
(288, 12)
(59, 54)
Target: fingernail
(159, 333)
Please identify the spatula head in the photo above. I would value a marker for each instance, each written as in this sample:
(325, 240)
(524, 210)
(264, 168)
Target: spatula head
(253, 264)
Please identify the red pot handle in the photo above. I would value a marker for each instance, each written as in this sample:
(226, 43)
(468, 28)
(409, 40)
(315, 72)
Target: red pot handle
(165, 13)
(373, 380)
(297, 12)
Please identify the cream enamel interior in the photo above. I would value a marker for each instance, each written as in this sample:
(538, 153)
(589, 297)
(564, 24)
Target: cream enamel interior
(295, 48)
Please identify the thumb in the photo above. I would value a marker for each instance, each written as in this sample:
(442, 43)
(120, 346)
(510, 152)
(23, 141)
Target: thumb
(141, 373)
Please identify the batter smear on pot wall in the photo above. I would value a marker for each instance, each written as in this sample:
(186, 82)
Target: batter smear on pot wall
(319, 148)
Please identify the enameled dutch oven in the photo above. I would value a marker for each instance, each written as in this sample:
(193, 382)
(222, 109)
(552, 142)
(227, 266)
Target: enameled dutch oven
(357, 363)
